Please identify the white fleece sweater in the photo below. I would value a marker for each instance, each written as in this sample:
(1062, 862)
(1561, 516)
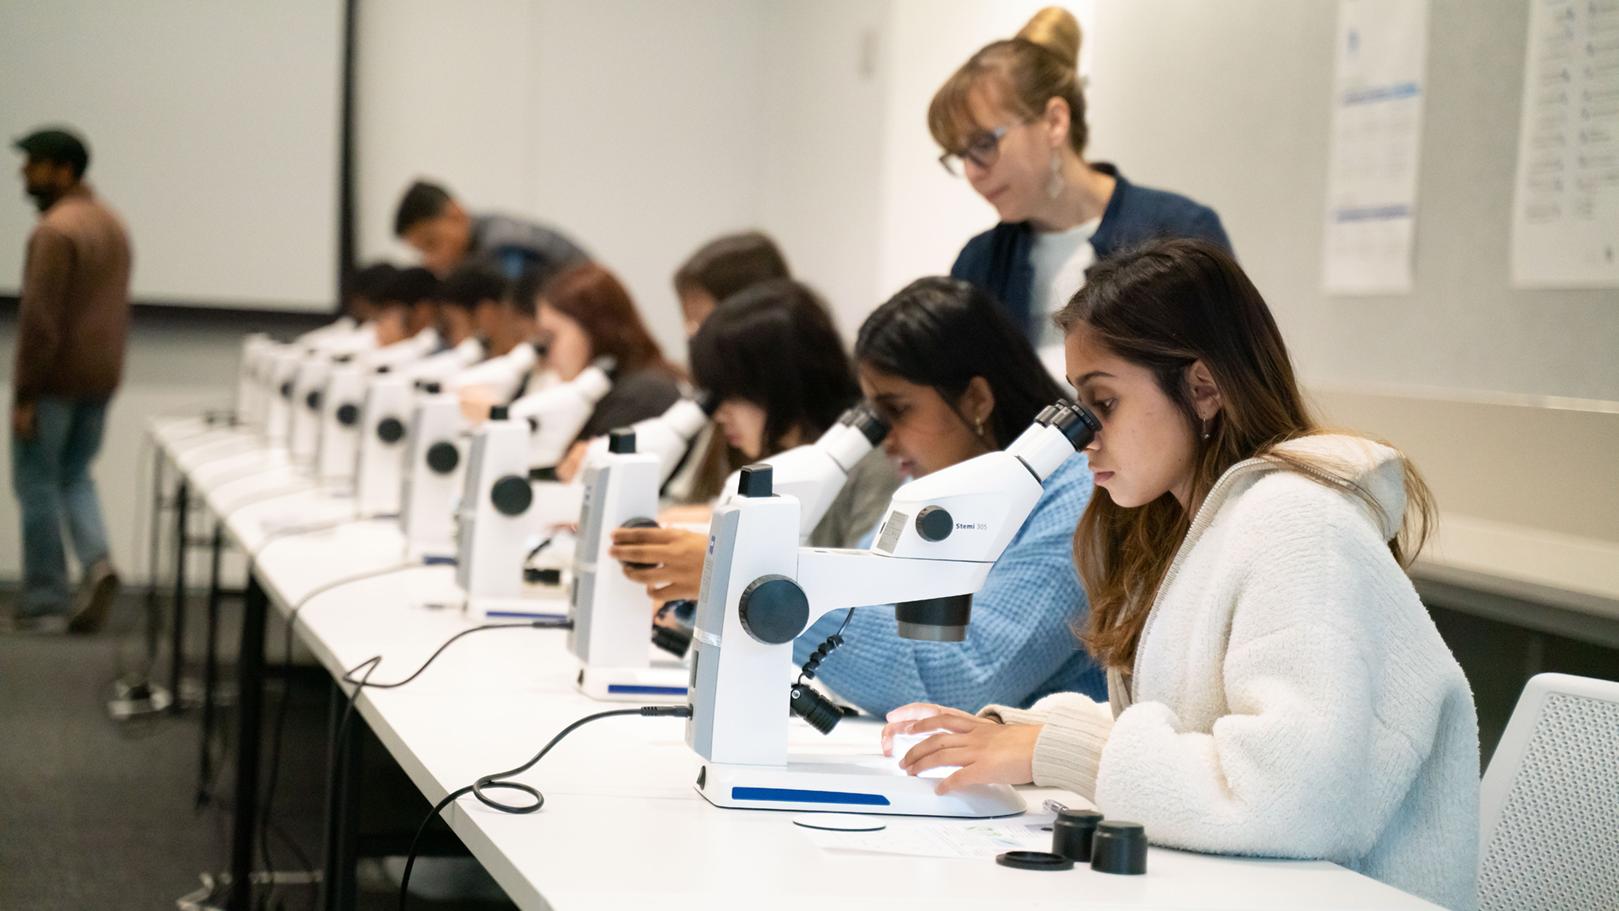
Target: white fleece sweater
(1290, 695)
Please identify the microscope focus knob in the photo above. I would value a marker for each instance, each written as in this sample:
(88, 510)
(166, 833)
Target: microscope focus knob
(511, 495)
(390, 430)
(347, 414)
(442, 457)
(773, 609)
(934, 523)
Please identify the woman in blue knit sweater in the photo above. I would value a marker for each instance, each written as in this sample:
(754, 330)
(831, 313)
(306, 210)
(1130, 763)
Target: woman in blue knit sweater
(955, 378)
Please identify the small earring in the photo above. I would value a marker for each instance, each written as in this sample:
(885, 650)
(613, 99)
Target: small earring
(1055, 183)
(1206, 432)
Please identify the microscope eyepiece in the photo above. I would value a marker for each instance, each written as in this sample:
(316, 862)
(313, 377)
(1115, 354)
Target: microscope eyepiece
(863, 418)
(1078, 424)
(707, 401)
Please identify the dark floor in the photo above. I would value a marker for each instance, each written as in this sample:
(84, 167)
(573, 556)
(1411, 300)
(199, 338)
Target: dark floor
(100, 815)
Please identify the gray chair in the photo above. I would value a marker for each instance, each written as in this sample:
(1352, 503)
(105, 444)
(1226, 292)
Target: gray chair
(1549, 804)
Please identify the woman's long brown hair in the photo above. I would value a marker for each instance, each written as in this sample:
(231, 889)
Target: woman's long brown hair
(592, 297)
(1164, 306)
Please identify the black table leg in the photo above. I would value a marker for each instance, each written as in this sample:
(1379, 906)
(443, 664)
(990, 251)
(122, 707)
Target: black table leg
(210, 667)
(182, 515)
(154, 567)
(250, 707)
(342, 808)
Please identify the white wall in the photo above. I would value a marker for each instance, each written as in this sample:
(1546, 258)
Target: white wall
(630, 125)
(440, 92)
(825, 123)
(222, 158)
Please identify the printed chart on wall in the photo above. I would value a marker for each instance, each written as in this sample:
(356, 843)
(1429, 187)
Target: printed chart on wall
(1378, 89)
(1565, 214)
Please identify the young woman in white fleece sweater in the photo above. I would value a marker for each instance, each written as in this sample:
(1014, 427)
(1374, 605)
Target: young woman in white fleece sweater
(1275, 686)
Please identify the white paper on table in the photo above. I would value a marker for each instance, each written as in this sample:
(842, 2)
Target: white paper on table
(1378, 90)
(1565, 207)
(968, 839)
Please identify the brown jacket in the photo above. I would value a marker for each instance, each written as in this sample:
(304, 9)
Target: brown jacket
(73, 318)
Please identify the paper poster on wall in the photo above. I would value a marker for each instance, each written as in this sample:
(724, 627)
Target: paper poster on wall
(1565, 210)
(1378, 88)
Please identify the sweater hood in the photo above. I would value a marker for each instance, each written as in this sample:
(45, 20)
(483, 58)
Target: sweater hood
(1377, 469)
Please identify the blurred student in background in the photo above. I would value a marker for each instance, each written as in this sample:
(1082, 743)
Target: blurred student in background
(584, 314)
(436, 226)
(773, 359)
(718, 269)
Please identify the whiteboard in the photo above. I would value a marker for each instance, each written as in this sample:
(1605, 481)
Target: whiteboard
(214, 130)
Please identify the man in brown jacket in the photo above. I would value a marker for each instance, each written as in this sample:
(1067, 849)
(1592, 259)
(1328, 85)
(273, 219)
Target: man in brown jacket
(72, 322)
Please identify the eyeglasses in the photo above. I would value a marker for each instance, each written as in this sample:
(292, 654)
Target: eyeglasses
(982, 149)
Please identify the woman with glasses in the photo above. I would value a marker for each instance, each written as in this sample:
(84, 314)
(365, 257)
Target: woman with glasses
(1011, 121)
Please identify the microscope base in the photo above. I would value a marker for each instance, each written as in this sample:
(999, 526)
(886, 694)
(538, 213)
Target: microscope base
(634, 684)
(516, 608)
(863, 785)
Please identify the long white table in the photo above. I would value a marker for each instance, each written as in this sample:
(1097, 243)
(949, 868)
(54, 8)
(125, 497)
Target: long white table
(622, 825)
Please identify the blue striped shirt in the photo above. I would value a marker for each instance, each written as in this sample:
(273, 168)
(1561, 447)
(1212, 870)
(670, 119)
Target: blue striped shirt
(1020, 645)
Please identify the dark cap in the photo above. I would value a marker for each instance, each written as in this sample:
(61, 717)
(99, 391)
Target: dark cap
(59, 146)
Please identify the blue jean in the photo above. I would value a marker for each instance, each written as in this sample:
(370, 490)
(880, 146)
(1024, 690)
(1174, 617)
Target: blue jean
(51, 477)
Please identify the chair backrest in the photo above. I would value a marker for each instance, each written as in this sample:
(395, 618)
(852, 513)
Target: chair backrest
(1549, 812)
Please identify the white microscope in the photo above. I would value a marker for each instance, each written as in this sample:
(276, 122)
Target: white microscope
(668, 435)
(250, 382)
(343, 400)
(435, 466)
(385, 417)
(612, 629)
(508, 503)
(814, 473)
(760, 591)
(280, 371)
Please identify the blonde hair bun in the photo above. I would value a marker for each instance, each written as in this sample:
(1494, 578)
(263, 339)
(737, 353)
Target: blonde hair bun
(1056, 30)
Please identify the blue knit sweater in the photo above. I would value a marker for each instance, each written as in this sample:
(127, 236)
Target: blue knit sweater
(1020, 645)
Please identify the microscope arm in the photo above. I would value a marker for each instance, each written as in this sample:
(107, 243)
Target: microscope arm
(833, 579)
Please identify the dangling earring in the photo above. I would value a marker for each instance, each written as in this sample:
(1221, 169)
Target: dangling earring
(979, 427)
(1055, 183)
(1206, 424)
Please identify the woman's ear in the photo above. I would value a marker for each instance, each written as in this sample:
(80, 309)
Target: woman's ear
(977, 402)
(1055, 121)
(1206, 399)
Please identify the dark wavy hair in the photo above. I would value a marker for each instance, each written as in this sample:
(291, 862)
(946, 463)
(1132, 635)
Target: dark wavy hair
(941, 332)
(774, 345)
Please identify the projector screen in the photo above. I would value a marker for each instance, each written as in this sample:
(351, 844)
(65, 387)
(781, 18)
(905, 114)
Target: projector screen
(214, 129)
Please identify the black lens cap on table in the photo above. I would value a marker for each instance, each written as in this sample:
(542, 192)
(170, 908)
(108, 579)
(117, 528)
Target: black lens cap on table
(1034, 860)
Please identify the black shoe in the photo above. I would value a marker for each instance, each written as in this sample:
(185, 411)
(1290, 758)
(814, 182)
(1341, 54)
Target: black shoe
(95, 599)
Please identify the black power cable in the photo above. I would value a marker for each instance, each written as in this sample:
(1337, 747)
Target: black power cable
(502, 781)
